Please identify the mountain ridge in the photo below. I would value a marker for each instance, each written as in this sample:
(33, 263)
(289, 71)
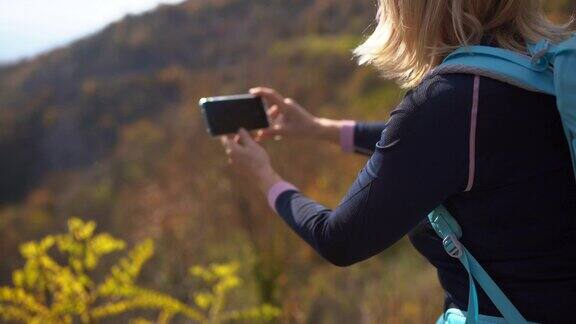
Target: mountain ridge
(197, 36)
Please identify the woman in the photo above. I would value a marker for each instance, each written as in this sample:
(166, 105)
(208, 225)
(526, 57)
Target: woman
(493, 154)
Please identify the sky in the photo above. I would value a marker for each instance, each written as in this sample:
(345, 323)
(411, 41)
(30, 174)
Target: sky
(30, 27)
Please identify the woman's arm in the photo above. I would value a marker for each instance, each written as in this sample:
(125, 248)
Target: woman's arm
(288, 118)
(420, 161)
(352, 136)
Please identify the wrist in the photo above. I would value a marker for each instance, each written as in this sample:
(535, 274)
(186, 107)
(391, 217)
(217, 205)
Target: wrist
(327, 129)
(267, 177)
(340, 132)
(276, 190)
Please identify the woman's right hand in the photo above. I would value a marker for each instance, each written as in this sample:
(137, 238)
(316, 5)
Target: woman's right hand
(287, 117)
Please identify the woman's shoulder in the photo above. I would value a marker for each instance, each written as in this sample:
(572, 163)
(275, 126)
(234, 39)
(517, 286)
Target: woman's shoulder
(439, 101)
(455, 88)
(451, 89)
(454, 95)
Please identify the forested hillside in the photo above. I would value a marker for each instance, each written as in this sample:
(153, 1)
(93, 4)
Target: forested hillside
(108, 129)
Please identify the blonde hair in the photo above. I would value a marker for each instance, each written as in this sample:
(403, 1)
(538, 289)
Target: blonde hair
(414, 36)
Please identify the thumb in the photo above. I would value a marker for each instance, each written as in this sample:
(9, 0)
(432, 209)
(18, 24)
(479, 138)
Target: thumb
(274, 111)
(245, 138)
(274, 130)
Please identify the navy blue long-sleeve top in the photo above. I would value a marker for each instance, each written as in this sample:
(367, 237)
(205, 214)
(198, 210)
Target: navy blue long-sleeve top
(496, 157)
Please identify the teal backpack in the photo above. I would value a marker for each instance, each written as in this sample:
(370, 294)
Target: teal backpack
(549, 68)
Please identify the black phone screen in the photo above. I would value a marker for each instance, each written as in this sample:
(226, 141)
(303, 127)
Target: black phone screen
(227, 114)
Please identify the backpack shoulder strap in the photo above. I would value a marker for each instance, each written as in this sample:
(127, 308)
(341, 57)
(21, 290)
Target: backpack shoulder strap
(497, 63)
(549, 69)
(564, 60)
(449, 231)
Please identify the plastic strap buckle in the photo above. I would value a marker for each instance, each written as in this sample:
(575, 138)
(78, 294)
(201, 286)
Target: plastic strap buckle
(539, 54)
(453, 246)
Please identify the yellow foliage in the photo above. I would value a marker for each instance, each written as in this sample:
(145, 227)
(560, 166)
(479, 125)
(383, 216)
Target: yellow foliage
(45, 291)
(221, 278)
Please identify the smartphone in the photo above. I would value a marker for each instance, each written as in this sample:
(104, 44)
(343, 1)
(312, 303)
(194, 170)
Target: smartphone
(227, 114)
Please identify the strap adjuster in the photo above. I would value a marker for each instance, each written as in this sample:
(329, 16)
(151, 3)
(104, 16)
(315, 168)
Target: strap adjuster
(540, 54)
(453, 246)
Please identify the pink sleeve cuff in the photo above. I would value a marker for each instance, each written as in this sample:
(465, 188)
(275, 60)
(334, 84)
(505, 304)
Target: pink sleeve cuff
(347, 135)
(276, 190)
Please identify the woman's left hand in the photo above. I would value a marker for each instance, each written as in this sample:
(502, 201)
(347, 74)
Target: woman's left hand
(250, 159)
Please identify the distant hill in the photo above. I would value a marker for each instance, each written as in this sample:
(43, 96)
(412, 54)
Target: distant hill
(64, 109)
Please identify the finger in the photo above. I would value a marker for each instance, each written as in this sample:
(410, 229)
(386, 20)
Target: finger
(267, 98)
(236, 139)
(271, 95)
(273, 131)
(280, 119)
(231, 141)
(289, 103)
(266, 137)
(226, 139)
(236, 149)
(227, 143)
(245, 138)
(259, 136)
(263, 135)
(273, 112)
